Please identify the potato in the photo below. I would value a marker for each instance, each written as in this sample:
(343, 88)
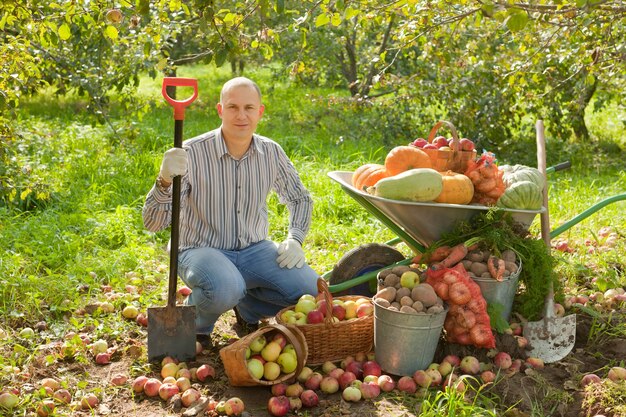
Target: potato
(391, 280)
(388, 294)
(434, 309)
(408, 309)
(509, 256)
(383, 274)
(486, 275)
(418, 306)
(486, 255)
(382, 302)
(395, 305)
(402, 292)
(466, 264)
(400, 269)
(475, 256)
(425, 294)
(478, 268)
(510, 266)
(406, 301)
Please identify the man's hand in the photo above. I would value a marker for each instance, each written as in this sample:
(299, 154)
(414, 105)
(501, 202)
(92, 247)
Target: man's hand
(290, 254)
(174, 164)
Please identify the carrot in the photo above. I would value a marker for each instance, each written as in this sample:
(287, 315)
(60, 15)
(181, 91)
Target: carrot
(496, 267)
(456, 255)
(439, 254)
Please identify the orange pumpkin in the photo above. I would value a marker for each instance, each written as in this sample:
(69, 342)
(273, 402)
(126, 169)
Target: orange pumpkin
(403, 158)
(457, 189)
(368, 175)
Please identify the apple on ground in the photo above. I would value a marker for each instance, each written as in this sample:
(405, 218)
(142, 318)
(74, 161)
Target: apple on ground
(309, 398)
(294, 390)
(470, 365)
(329, 385)
(168, 390)
(369, 390)
(617, 374)
(386, 383)
(346, 379)
(327, 367)
(589, 379)
(89, 401)
(190, 396)
(351, 394)
(371, 368)
(487, 376)
(422, 379)
(278, 389)
(406, 384)
(204, 372)
(234, 406)
(435, 376)
(313, 382)
(304, 374)
(503, 360)
(278, 406)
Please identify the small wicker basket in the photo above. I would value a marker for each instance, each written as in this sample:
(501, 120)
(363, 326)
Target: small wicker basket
(335, 340)
(234, 356)
(453, 160)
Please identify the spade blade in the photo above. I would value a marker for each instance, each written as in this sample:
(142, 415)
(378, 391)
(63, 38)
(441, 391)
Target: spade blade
(172, 332)
(551, 339)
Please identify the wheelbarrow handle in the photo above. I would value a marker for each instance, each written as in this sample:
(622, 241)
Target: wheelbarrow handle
(179, 105)
(559, 167)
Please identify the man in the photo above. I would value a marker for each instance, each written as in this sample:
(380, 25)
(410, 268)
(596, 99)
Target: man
(225, 256)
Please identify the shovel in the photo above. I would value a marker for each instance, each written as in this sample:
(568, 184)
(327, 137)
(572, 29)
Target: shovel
(552, 338)
(172, 329)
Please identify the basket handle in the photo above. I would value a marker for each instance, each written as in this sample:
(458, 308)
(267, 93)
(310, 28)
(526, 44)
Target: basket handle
(324, 291)
(456, 142)
(300, 354)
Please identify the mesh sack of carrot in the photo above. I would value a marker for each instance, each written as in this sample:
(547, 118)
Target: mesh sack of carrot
(487, 179)
(467, 321)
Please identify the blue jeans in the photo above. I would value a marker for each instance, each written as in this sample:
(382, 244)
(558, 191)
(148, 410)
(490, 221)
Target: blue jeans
(249, 279)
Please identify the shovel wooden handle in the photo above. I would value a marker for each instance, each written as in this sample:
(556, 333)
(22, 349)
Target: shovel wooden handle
(179, 117)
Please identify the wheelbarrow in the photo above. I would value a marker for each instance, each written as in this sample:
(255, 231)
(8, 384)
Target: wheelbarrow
(417, 225)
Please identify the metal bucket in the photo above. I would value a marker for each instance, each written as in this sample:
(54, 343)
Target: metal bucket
(405, 343)
(502, 292)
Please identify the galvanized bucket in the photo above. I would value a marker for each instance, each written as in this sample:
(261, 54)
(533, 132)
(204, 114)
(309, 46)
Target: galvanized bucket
(502, 292)
(405, 343)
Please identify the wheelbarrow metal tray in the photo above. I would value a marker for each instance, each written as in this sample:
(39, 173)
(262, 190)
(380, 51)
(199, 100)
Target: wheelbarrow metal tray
(424, 222)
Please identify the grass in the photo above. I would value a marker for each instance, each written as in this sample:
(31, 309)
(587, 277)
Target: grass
(86, 185)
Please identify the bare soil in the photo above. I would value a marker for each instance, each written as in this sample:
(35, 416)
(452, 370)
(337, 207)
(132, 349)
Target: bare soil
(552, 391)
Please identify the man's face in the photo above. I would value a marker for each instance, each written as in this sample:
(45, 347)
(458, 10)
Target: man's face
(240, 111)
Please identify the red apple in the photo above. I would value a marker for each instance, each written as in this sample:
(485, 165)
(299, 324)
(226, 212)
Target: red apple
(63, 396)
(278, 406)
(339, 312)
(8, 400)
(313, 381)
(470, 365)
(346, 379)
(184, 291)
(118, 379)
(279, 389)
(314, 317)
(309, 398)
(281, 339)
(617, 374)
(371, 368)
(204, 372)
(364, 310)
(453, 360)
(168, 390)
(45, 408)
(419, 142)
(386, 383)
(440, 141)
(89, 401)
(503, 360)
(103, 358)
(590, 379)
(422, 379)
(151, 387)
(356, 368)
(329, 385)
(234, 406)
(435, 376)
(407, 384)
(336, 373)
(487, 376)
(466, 144)
(369, 390)
(190, 396)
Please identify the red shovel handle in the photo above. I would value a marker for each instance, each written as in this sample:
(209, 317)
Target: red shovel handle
(179, 105)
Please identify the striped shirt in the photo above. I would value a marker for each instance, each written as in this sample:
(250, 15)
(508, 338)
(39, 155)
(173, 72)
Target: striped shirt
(224, 200)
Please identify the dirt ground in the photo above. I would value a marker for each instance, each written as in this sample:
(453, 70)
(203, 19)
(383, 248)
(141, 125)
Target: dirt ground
(555, 389)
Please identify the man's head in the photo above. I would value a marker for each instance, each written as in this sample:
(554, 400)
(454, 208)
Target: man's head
(240, 108)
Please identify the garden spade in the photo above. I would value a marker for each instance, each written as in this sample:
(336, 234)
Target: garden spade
(172, 329)
(552, 338)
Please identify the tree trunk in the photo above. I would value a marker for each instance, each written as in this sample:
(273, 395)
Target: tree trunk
(578, 109)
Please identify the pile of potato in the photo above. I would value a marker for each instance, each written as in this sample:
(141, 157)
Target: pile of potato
(414, 297)
(476, 263)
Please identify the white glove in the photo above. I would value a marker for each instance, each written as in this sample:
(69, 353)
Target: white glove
(290, 254)
(174, 164)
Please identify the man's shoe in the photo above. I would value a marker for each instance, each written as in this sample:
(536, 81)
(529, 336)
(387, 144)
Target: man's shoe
(204, 340)
(242, 327)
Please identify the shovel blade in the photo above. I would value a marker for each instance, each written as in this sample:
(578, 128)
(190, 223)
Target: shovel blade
(551, 339)
(172, 332)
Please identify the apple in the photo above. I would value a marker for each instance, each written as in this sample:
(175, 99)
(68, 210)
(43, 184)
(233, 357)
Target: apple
(435, 376)
(99, 346)
(339, 312)
(336, 373)
(386, 383)
(329, 385)
(259, 358)
(271, 371)
(50, 383)
(287, 362)
(617, 374)
(184, 291)
(138, 383)
(304, 374)
(294, 390)
(503, 360)
(590, 379)
(169, 380)
(409, 279)
(419, 142)
(445, 368)
(234, 406)
(535, 363)
(466, 144)
(364, 310)
(350, 307)
(287, 315)
(305, 305)
(27, 333)
(89, 401)
(308, 297)
(103, 358)
(8, 400)
(453, 360)
(327, 367)
(107, 307)
(351, 394)
(279, 389)
(45, 408)
(113, 16)
(440, 141)
(356, 368)
(314, 317)
(183, 384)
(309, 398)
(295, 403)
(278, 406)
(118, 379)
(130, 312)
(169, 369)
(371, 378)
(271, 351)
(487, 376)
(369, 390)
(168, 390)
(142, 320)
(345, 361)
(422, 379)
(313, 381)
(346, 379)
(190, 396)
(470, 365)
(371, 368)
(183, 373)
(280, 339)
(430, 146)
(204, 372)
(407, 384)
(299, 318)
(258, 343)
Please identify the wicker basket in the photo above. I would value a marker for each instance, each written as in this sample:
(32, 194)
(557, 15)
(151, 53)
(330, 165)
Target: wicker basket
(331, 340)
(234, 356)
(454, 160)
